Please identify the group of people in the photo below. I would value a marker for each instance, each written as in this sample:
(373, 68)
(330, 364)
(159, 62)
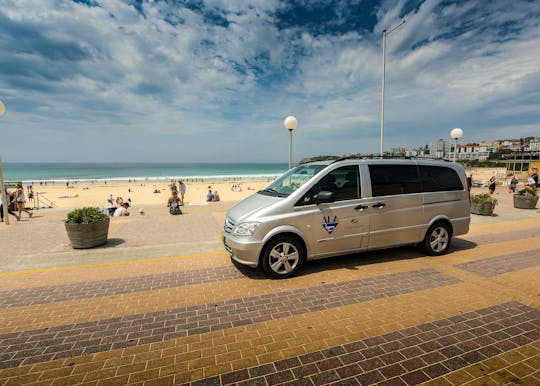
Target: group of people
(212, 196)
(181, 189)
(512, 182)
(16, 202)
(236, 188)
(176, 200)
(118, 207)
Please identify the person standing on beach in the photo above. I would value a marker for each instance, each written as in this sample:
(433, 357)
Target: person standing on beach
(21, 200)
(492, 185)
(182, 191)
(511, 182)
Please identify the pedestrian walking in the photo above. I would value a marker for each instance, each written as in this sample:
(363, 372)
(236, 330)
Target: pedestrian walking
(9, 196)
(20, 200)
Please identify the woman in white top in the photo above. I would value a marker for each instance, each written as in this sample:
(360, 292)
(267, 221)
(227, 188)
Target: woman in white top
(20, 200)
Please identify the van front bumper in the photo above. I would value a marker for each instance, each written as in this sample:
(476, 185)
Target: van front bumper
(242, 251)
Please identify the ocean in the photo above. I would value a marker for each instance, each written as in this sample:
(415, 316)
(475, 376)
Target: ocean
(84, 172)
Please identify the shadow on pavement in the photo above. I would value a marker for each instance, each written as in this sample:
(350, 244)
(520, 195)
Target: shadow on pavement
(357, 260)
(111, 243)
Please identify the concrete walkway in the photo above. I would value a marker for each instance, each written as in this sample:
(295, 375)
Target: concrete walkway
(41, 242)
(162, 304)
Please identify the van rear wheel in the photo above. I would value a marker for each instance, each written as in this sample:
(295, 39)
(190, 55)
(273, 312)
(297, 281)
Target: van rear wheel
(437, 239)
(283, 257)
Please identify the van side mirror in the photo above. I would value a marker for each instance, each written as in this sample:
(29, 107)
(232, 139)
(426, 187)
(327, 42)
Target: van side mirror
(324, 197)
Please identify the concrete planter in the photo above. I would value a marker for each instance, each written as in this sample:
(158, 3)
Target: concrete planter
(83, 236)
(484, 208)
(526, 201)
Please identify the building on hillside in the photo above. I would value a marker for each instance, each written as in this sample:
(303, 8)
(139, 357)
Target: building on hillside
(508, 144)
(533, 144)
(472, 151)
(440, 148)
(398, 151)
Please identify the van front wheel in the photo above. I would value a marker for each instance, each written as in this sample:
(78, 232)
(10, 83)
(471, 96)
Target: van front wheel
(437, 239)
(282, 257)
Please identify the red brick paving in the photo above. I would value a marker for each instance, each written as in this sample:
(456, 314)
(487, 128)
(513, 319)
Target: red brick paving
(498, 265)
(46, 344)
(409, 356)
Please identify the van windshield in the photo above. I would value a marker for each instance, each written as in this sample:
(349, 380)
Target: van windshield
(291, 180)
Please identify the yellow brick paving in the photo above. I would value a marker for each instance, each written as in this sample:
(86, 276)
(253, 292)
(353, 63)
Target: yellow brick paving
(201, 356)
(204, 355)
(67, 312)
(107, 271)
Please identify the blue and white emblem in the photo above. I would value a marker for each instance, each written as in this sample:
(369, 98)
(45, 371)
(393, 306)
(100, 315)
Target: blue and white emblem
(330, 224)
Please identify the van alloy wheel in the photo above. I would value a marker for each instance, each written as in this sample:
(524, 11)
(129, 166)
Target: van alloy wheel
(282, 257)
(437, 239)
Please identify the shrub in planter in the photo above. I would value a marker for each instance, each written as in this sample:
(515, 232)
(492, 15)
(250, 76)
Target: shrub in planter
(525, 199)
(483, 204)
(87, 227)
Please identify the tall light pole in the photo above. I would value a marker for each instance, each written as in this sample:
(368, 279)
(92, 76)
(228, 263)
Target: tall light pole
(290, 124)
(4, 199)
(385, 34)
(456, 134)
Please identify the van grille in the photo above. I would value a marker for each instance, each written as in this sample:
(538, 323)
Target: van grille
(229, 225)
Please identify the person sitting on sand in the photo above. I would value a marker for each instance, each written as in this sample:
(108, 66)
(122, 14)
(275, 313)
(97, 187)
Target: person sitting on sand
(216, 196)
(174, 203)
(122, 211)
(210, 196)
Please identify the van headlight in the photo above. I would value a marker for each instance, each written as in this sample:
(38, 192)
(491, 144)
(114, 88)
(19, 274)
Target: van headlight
(245, 229)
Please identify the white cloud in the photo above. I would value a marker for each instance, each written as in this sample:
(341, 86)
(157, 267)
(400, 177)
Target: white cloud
(223, 76)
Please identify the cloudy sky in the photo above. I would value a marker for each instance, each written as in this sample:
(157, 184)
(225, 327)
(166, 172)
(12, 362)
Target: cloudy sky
(212, 80)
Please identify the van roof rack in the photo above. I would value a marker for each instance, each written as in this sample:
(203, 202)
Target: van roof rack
(388, 157)
(371, 156)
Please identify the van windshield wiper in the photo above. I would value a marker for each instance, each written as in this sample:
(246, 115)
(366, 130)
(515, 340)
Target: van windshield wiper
(272, 192)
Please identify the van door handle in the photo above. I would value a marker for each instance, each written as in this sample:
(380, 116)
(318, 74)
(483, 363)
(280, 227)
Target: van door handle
(361, 207)
(379, 205)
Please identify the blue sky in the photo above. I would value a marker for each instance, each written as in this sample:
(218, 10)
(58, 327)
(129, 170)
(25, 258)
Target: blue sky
(212, 80)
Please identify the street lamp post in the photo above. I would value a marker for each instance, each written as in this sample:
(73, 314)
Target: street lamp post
(456, 134)
(385, 34)
(290, 124)
(4, 199)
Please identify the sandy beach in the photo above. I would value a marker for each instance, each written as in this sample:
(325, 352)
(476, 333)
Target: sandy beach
(142, 194)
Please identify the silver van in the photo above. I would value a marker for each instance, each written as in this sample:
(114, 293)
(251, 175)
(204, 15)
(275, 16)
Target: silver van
(323, 209)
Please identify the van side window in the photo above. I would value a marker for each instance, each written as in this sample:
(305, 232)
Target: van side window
(389, 180)
(439, 179)
(344, 182)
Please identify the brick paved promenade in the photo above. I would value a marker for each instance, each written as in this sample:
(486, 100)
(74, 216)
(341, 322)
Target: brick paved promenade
(163, 305)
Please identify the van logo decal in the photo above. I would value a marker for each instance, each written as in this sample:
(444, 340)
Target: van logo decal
(330, 224)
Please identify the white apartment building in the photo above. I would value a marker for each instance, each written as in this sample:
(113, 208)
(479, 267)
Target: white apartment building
(472, 151)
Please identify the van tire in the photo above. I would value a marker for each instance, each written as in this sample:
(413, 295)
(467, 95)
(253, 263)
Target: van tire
(282, 257)
(437, 239)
